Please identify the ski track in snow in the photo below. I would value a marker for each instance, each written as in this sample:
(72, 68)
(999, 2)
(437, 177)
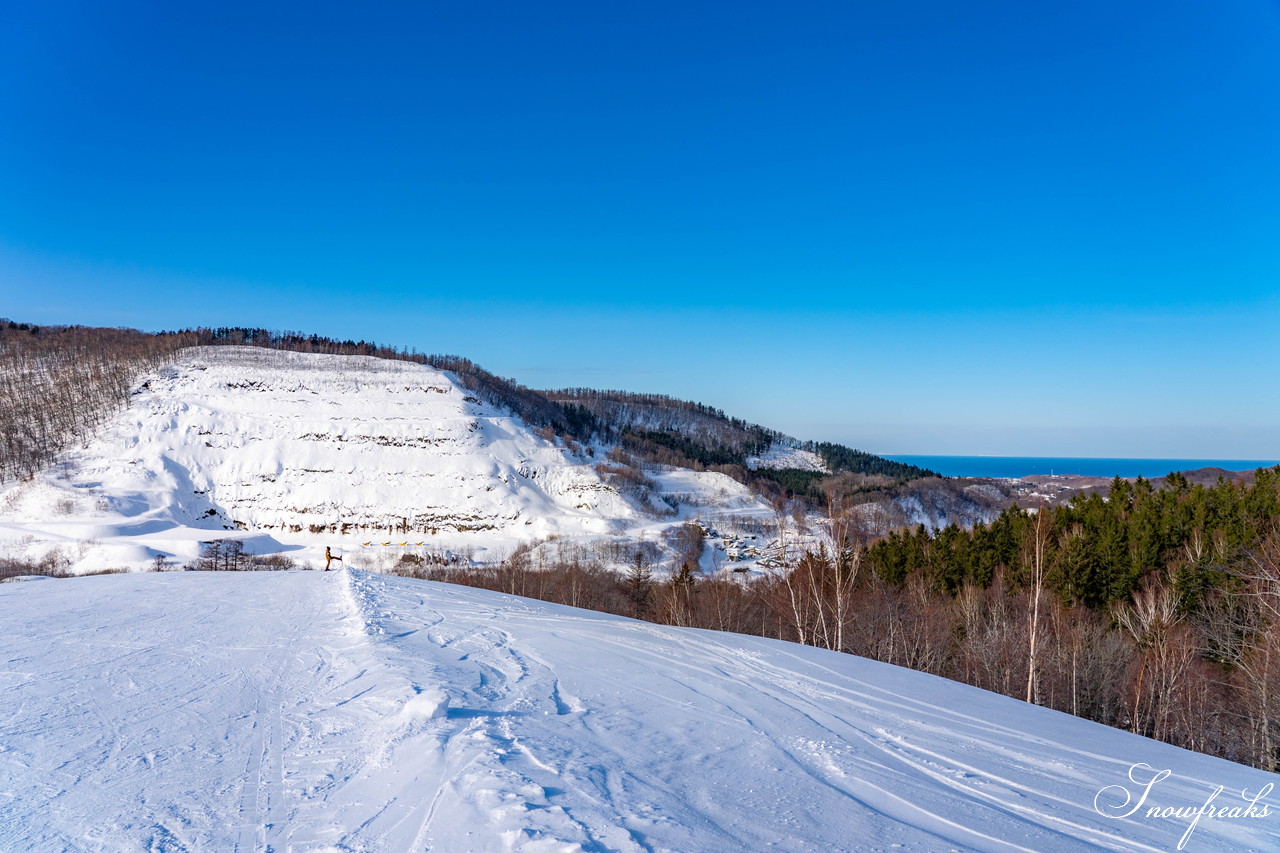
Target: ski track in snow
(347, 711)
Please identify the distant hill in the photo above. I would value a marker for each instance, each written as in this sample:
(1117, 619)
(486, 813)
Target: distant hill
(87, 373)
(658, 428)
(121, 447)
(671, 431)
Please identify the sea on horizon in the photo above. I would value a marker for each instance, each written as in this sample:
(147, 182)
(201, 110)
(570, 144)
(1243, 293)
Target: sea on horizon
(1025, 466)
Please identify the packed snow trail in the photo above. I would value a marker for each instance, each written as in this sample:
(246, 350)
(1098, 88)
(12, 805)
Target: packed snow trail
(344, 711)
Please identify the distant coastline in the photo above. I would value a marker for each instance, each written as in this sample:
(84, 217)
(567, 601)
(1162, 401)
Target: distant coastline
(1025, 466)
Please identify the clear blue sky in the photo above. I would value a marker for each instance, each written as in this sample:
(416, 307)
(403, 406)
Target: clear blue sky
(1010, 228)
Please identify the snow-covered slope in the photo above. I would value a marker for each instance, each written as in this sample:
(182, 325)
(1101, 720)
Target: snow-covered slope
(288, 447)
(782, 456)
(354, 712)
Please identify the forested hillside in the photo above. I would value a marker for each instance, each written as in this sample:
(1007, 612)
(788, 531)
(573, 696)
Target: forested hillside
(1098, 551)
(669, 431)
(57, 383)
(1157, 610)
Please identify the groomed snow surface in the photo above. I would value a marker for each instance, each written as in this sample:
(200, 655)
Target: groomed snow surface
(344, 711)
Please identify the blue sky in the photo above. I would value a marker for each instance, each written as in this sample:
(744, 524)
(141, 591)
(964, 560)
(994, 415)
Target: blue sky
(986, 227)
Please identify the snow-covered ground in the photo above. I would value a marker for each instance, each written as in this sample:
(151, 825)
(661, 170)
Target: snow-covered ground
(781, 456)
(306, 711)
(294, 452)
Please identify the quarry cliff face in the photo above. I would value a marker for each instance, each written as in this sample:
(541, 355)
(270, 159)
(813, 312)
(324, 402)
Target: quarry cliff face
(272, 440)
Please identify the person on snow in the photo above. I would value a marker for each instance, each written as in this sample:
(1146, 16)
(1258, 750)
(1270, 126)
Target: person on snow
(329, 558)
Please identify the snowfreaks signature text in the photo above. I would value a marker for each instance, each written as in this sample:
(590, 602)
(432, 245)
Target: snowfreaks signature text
(1118, 801)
